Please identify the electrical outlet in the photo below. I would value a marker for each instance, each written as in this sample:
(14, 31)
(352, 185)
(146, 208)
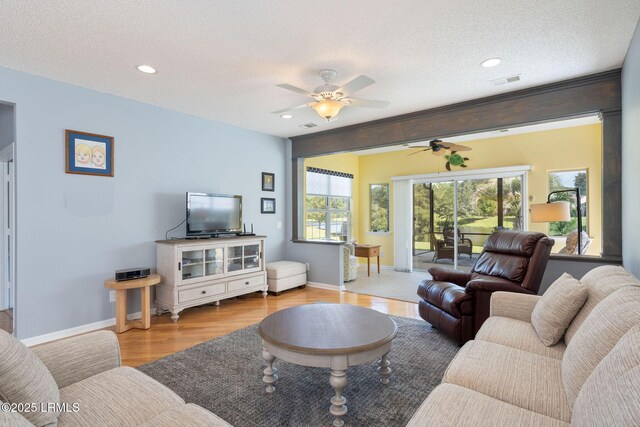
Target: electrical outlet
(307, 265)
(112, 296)
(279, 225)
(381, 253)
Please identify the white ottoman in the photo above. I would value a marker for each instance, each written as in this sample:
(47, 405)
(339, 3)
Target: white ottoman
(283, 275)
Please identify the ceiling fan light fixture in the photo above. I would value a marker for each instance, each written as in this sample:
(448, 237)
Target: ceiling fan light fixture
(327, 108)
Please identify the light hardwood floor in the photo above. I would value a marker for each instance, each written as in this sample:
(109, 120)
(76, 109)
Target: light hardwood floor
(200, 324)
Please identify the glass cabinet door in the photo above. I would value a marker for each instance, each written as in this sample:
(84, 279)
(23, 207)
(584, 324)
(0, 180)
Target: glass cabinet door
(252, 256)
(243, 257)
(234, 258)
(192, 264)
(214, 261)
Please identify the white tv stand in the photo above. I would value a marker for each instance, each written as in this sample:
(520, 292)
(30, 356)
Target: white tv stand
(201, 271)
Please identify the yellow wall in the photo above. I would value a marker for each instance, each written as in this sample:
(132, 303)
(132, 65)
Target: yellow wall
(347, 163)
(552, 150)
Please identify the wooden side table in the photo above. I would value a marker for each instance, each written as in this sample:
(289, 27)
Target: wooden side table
(144, 284)
(368, 251)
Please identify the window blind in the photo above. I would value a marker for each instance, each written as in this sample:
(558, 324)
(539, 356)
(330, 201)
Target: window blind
(323, 182)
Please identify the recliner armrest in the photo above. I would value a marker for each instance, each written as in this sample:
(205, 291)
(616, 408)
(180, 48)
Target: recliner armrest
(494, 285)
(514, 306)
(73, 359)
(441, 274)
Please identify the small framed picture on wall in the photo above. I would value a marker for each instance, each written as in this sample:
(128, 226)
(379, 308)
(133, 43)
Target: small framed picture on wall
(88, 153)
(267, 206)
(268, 181)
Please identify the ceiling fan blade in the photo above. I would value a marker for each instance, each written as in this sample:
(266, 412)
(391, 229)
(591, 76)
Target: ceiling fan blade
(446, 145)
(367, 103)
(439, 153)
(419, 151)
(355, 85)
(295, 89)
(455, 147)
(292, 108)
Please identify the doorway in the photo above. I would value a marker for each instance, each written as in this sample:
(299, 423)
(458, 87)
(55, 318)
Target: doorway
(7, 218)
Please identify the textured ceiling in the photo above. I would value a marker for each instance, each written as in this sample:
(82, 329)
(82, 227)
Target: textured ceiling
(222, 59)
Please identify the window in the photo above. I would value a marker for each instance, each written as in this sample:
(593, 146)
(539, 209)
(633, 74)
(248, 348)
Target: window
(327, 205)
(569, 180)
(379, 208)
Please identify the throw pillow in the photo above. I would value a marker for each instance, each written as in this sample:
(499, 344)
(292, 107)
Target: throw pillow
(554, 312)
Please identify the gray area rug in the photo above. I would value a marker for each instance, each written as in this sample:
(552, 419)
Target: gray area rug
(224, 375)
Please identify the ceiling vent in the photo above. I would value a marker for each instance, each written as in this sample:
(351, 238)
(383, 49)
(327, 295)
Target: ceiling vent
(505, 80)
(308, 125)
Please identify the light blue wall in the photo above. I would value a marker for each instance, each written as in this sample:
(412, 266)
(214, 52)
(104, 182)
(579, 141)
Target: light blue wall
(325, 261)
(631, 156)
(73, 231)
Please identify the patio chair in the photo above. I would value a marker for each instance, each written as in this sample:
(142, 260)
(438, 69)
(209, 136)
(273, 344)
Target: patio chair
(465, 245)
(441, 249)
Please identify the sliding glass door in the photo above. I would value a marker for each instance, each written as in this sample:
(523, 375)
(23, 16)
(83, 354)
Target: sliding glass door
(452, 219)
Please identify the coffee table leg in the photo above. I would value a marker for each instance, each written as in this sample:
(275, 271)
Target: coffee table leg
(270, 373)
(338, 408)
(384, 369)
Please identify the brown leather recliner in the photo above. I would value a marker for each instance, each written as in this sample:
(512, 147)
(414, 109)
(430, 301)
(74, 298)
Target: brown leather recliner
(457, 303)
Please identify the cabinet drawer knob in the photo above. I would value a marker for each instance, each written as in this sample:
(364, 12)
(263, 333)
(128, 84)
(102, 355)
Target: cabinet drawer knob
(246, 283)
(204, 292)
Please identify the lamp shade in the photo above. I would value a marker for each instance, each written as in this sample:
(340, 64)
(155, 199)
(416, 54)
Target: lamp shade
(549, 212)
(327, 109)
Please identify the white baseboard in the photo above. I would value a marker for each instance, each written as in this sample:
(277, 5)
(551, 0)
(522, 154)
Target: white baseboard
(325, 286)
(83, 329)
(373, 266)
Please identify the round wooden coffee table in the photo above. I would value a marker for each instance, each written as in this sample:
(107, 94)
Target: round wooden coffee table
(332, 336)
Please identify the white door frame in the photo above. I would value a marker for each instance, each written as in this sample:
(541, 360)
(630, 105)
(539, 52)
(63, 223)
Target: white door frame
(7, 229)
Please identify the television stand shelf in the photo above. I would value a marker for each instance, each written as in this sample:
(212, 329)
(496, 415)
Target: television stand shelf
(202, 271)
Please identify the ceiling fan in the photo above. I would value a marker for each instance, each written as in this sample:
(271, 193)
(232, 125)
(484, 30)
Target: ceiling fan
(329, 99)
(438, 147)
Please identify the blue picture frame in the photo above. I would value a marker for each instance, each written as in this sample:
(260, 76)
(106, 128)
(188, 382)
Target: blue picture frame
(88, 153)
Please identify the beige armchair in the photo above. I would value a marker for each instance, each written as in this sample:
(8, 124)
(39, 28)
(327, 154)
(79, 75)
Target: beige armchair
(85, 374)
(571, 245)
(350, 262)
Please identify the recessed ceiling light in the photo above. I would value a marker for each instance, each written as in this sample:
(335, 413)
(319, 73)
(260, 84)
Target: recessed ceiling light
(287, 116)
(491, 62)
(148, 69)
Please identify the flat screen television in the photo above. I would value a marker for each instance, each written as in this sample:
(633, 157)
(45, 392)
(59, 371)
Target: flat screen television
(211, 214)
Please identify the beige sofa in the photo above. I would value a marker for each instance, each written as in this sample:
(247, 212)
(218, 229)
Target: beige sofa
(507, 377)
(85, 371)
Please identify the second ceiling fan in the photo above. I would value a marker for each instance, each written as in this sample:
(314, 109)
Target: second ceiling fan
(329, 99)
(439, 148)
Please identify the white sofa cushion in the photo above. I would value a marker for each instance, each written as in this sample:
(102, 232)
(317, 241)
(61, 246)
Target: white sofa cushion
(600, 282)
(554, 312)
(517, 334)
(25, 379)
(600, 332)
(279, 269)
(118, 397)
(450, 405)
(611, 394)
(527, 380)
